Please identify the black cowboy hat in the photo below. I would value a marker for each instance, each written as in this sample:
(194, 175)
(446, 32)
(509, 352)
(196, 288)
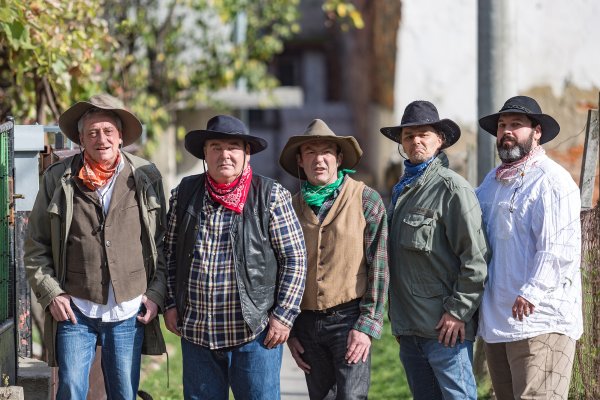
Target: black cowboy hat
(523, 105)
(222, 127)
(423, 112)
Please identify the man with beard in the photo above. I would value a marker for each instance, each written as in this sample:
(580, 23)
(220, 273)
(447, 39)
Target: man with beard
(531, 310)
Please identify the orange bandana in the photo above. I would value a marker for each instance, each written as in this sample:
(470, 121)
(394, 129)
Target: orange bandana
(94, 175)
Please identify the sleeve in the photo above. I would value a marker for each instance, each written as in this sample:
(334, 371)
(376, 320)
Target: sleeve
(556, 226)
(38, 258)
(158, 286)
(466, 236)
(170, 245)
(287, 241)
(372, 305)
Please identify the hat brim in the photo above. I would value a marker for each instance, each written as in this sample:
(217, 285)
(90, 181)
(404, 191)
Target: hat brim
(195, 140)
(352, 153)
(450, 129)
(550, 127)
(131, 126)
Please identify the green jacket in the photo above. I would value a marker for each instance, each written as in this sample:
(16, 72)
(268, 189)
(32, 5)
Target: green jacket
(437, 253)
(48, 230)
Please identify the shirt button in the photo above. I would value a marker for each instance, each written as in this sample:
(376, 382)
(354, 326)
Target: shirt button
(108, 243)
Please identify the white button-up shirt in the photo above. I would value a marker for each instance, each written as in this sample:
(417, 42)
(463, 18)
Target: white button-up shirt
(534, 232)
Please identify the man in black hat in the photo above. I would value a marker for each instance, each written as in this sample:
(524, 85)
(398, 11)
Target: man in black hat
(235, 268)
(437, 252)
(531, 310)
(345, 229)
(94, 252)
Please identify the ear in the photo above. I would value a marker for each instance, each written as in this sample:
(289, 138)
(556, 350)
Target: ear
(299, 160)
(538, 133)
(340, 158)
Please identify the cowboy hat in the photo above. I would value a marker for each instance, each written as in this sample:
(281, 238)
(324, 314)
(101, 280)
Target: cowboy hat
(131, 126)
(222, 127)
(523, 105)
(318, 130)
(423, 112)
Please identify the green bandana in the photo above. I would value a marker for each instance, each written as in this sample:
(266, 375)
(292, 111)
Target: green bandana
(316, 195)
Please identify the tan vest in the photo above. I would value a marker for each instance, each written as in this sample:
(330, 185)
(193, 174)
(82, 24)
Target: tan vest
(96, 257)
(336, 264)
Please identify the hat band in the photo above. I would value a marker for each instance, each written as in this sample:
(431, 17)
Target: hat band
(517, 107)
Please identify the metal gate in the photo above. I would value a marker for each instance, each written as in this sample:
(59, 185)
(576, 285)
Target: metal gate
(7, 265)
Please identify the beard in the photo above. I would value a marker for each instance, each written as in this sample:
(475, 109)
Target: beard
(516, 151)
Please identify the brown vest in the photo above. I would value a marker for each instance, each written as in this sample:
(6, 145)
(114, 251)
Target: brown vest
(336, 264)
(98, 255)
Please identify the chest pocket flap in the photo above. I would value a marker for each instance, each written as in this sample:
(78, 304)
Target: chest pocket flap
(417, 232)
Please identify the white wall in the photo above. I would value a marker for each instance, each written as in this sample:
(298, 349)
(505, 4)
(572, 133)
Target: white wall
(555, 42)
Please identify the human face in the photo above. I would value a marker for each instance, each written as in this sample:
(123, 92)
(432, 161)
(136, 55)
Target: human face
(225, 158)
(515, 137)
(320, 161)
(100, 139)
(420, 143)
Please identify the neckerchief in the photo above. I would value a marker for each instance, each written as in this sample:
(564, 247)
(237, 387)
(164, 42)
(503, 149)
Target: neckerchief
(411, 173)
(315, 196)
(94, 175)
(231, 195)
(508, 171)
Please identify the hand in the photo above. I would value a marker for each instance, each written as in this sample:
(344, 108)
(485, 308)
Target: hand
(60, 308)
(151, 311)
(171, 321)
(450, 329)
(522, 307)
(278, 333)
(358, 346)
(297, 350)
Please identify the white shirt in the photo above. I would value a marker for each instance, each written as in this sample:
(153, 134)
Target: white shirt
(535, 253)
(111, 311)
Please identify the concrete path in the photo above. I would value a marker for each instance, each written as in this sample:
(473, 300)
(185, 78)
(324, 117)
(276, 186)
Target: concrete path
(293, 385)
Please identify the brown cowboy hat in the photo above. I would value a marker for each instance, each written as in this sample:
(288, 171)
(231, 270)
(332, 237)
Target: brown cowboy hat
(131, 126)
(318, 130)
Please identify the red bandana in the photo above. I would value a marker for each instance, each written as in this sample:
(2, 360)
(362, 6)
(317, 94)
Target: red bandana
(94, 175)
(231, 195)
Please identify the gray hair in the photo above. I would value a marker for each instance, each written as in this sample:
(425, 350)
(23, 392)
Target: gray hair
(99, 111)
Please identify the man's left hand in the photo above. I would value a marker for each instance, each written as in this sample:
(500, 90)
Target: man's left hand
(450, 329)
(521, 308)
(151, 311)
(278, 333)
(358, 346)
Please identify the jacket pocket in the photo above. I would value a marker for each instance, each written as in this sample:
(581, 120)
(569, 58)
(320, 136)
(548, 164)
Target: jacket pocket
(417, 232)
(427, 290)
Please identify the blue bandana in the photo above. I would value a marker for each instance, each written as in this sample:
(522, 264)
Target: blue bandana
(411, 173)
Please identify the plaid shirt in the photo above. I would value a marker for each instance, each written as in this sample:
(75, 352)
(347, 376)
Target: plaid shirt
(213, 313)
(372, 304)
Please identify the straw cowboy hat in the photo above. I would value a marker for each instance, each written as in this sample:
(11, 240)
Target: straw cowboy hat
(131, 125)
(423, 112)
(222, 127)
(318, 130)
(523, 105)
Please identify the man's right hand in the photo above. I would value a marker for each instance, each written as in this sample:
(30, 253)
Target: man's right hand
(296, 349)
(171, 320)
(60, 308)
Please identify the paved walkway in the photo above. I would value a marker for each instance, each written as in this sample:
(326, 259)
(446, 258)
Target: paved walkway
(293, 385)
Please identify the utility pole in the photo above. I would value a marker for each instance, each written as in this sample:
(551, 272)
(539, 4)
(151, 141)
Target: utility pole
(496, 81)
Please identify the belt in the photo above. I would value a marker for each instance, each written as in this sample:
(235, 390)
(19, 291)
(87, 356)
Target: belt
(340, 307)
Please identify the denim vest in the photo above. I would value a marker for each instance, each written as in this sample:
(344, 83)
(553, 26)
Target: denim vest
(255, 262)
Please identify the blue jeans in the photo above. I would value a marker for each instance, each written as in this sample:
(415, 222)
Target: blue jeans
(121, 354)
(435, 371)
(324, 337)
(252, 371)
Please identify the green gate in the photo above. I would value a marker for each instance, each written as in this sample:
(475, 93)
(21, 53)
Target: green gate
(7, 265)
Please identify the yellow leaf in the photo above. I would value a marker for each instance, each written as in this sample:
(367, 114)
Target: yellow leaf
(342, 10)
(357, 19)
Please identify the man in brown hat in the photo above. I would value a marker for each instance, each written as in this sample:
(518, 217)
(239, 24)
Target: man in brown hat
(437, 254)
(236, 268)
(94, 252)
(345, 230)
(531, 309)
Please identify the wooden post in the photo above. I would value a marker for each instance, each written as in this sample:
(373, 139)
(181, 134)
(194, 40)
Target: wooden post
(589, 163)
